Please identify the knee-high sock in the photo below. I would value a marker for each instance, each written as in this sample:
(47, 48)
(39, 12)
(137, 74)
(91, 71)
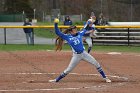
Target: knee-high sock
(101, 72)
(62, 75)
(89, 49)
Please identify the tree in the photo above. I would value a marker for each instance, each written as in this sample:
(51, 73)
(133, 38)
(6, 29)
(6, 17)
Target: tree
(18, 6)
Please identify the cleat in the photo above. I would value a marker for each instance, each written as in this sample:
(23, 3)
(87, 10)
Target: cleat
(54, 80)
(107, 80)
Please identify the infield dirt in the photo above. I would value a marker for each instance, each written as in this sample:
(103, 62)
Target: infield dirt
(29, 72)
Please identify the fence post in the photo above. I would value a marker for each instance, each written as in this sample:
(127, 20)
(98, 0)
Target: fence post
(128, 37)
(33, 37)
(5, 36)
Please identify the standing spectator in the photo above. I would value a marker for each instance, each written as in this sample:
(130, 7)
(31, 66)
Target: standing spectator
(28, 32)
(102, 20)
(67, 21)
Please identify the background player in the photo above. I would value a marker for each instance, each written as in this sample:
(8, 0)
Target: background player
(88, 37)
(74, 39)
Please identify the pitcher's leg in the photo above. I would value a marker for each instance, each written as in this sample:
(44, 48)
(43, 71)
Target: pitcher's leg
(87, 57)
(74, 61)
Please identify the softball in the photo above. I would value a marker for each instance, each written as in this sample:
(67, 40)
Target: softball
(56, 20)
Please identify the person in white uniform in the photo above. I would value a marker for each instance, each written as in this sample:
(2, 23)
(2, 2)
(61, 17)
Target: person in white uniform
(88, 37)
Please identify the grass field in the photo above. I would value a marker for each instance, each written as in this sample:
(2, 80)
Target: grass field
(17, 47)
(47, 32)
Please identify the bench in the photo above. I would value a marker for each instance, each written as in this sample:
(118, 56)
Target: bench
(118, 36)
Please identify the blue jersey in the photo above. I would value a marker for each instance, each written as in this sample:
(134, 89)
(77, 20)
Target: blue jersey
(75, 41)
(88, 28)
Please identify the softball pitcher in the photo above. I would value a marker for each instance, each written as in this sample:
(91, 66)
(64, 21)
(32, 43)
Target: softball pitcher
(74, 39)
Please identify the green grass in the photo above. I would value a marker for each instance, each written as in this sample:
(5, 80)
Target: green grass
(20, 47)
(135, 49)
(44, 32)
(23, 47)
(47, 32)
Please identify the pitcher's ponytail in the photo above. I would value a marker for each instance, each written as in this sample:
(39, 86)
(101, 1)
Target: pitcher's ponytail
(59, 42)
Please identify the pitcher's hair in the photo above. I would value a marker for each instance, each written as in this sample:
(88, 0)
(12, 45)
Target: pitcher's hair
(59, 42)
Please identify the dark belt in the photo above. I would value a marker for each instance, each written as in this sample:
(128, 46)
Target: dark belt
(78, 52)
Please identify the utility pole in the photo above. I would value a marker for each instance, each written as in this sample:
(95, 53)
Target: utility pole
(131, 10)
(54, 4)
(101, 6)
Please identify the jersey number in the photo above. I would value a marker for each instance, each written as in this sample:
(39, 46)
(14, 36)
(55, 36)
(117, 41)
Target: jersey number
(76, 41)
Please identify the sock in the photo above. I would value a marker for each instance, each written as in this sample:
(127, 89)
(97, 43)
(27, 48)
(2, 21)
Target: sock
(60, 77)
(101, 72)
(89, 49)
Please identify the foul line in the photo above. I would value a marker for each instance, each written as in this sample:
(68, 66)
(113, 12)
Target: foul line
(56, 89)
(119, 77)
